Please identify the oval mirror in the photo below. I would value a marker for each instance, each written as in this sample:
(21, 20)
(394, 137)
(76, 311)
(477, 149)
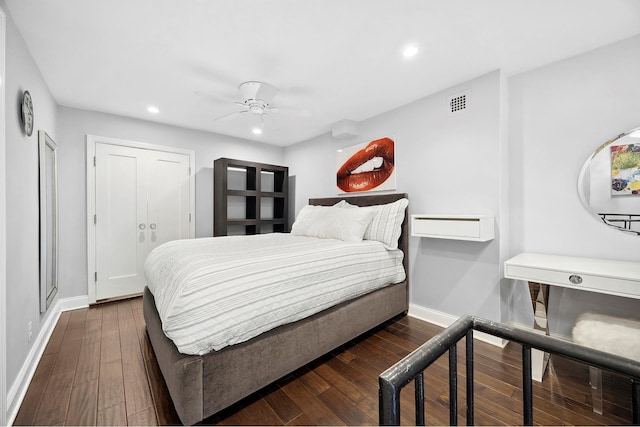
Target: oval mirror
(609, 182)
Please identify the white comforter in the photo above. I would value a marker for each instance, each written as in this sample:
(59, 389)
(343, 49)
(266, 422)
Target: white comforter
(215, 292)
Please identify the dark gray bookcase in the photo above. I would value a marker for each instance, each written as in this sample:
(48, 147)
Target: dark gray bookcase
(249, 197)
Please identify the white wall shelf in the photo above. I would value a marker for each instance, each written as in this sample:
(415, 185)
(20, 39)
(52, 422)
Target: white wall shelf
(477, 228)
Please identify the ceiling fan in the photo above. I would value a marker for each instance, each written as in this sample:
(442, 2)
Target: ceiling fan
(257, 100)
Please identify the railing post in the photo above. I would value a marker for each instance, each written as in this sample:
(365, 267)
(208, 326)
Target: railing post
(453, 385)
(388, 404)
(469, 350)
(527, 386)
(635, 401)
(419, 385)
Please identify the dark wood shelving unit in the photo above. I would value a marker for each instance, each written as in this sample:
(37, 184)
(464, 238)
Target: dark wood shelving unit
(249, 197)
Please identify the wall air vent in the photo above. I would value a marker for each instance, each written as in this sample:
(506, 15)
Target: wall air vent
(458, 102)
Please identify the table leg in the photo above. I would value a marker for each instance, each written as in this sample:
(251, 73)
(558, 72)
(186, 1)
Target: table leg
(539, 293)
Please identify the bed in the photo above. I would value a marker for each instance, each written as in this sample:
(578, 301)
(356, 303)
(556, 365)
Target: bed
(201, 385)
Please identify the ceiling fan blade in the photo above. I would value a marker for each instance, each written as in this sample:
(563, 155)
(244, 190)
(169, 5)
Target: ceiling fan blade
(258, 90)
(294, 112)
(229, 116)
(211, 74)
(211, 97)
(266, 92)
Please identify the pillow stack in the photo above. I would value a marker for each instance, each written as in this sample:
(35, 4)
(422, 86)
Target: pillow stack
(351, 223)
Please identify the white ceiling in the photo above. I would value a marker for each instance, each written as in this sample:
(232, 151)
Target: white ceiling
(334, 59)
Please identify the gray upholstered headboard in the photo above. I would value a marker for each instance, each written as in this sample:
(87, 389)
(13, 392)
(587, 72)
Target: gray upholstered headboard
(378, 199)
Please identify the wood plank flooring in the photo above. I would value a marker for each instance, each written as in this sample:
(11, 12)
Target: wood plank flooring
(99, 369)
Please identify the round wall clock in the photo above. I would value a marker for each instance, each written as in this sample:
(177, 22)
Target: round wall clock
(27, 113)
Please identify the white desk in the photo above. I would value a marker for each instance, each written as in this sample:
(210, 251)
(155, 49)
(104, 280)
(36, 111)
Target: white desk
(621, 278)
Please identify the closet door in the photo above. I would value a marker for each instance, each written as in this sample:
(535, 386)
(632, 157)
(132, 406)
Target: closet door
(142, 201)
(168, 197)
(121, 220)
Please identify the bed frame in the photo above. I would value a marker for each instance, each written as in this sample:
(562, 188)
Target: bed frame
(201, 386)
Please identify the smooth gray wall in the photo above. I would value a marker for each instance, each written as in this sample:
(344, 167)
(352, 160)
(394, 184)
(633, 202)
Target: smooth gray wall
(75, 124)
(558, 115)
(447, 163)
(23, 221)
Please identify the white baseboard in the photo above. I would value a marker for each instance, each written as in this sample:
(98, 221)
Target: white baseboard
(74, 303)
(444, 320)
(17, 391)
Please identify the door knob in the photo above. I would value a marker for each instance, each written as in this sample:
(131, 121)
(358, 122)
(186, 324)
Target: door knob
(152, 226)
(142, 226)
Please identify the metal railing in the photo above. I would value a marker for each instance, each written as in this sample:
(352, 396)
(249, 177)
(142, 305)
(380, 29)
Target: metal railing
(624, 222)
(412, 366)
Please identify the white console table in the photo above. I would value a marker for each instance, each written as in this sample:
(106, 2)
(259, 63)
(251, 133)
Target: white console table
(620, 278)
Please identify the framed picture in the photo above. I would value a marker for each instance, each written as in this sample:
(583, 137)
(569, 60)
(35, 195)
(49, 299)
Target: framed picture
(625, 169)
(369, 166)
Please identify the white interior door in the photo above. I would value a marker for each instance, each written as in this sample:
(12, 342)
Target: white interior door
(168, 197)
(121, 220)
(142, 200)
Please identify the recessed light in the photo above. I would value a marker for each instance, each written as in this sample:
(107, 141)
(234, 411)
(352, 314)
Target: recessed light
(410, 51)
(257, 131)
(153, 110)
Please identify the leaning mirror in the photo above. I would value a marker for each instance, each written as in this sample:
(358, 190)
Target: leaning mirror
(609, 182)
(48, 220)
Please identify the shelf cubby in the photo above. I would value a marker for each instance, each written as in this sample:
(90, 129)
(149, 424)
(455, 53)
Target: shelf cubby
(249, 197)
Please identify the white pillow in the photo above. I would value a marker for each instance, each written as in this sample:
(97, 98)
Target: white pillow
(386, 225)
(328, 222)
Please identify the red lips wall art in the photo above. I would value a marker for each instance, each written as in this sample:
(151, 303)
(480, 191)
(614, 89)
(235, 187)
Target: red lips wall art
(369, 167)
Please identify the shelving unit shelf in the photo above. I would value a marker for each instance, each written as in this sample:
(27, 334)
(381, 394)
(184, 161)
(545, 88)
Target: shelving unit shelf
(249, 197)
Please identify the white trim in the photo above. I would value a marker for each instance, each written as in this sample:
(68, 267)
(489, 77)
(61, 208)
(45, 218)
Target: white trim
(91, 209)
(3, 223)
(92, 140)
(19, 388)
(73, 303)
(444, 320)
(136, 144)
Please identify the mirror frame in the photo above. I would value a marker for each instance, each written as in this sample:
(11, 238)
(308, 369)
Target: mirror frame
(48, 172)
(585, 169)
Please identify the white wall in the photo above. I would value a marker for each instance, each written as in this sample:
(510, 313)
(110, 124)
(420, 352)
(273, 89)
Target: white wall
(447, 163)
(23, 285)
(559, 114)
(75, 124)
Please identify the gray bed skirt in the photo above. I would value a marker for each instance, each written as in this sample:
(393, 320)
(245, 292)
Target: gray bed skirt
(201, 386)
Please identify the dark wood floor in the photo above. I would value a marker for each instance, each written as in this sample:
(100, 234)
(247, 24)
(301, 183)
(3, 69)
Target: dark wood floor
(99, 369)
